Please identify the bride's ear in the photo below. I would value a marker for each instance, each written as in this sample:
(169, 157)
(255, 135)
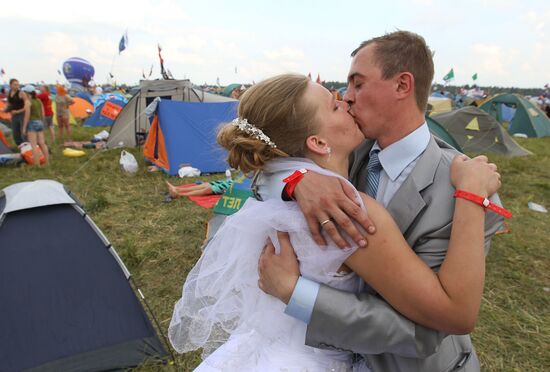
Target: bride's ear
(317, 145)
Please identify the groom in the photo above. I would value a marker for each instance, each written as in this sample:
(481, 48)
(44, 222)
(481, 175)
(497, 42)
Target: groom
(407, 170)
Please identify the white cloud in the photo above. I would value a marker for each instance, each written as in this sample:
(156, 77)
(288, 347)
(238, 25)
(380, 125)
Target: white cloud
(58, 46)
(101, 12)
(204, 41)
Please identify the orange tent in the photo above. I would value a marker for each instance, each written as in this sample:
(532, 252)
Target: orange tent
(154, 149)
(81, 108)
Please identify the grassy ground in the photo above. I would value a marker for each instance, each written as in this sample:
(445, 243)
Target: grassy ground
(159, 242)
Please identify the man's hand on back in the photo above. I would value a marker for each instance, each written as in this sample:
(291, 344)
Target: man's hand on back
(324, 198)
(279, 273)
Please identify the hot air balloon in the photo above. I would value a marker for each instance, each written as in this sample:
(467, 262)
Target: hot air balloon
(78, 71)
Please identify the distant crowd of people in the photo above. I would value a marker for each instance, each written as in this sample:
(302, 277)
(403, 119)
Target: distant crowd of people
(32, 114)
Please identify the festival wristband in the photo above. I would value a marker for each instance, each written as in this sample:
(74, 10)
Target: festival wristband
(292, 181)
(484, 202)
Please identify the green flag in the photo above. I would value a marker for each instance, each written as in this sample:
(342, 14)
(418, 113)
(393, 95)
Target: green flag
(474, 77)
(449, 76)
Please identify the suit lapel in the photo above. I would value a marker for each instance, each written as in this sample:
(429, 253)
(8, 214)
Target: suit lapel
(408, 202)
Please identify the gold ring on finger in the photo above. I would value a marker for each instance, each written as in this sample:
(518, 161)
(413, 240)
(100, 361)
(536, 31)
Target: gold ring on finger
(325, 222)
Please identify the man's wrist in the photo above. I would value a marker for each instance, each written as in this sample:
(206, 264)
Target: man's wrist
(303, 299)
(291, 182)
(285, 297)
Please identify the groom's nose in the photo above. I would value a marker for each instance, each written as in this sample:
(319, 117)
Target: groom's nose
(349, 96)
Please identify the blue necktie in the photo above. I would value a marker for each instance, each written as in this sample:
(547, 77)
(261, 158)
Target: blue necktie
(373, 175)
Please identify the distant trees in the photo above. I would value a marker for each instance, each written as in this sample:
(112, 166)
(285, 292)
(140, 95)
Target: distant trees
(454, 89)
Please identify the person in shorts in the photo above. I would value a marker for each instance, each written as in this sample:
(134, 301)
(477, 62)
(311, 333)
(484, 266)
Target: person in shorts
(33, 125)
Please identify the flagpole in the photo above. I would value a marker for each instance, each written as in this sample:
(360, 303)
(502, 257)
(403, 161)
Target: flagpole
(111, 70)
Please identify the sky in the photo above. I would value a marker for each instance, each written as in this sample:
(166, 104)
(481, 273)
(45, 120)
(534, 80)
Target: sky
(506, 42)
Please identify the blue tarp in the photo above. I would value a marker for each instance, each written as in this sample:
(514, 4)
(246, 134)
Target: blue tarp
(98, 119)
(190, 129)
(507, 113)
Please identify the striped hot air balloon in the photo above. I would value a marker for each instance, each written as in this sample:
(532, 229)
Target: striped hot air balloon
(78, 71)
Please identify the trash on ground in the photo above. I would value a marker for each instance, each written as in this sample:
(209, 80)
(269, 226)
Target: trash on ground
(537, 207)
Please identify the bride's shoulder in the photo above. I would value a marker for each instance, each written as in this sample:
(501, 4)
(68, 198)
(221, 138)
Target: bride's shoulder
(371, 204)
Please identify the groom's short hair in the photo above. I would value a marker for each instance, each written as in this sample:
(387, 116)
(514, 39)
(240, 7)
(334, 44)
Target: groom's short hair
(404, 51)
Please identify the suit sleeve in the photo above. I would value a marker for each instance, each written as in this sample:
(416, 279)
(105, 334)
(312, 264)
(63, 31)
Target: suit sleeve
(366, 324)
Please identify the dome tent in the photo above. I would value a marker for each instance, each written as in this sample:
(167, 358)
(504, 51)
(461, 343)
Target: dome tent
(439, 131)
(528, 118)
(67, 302)
(477, 131)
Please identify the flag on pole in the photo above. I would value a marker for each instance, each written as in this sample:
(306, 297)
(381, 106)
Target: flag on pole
(150, 71)
(143, 74)
(474, 77)
(318, 81)
(123, 43)
(309, 75)
(450, 75)
(2, 71)
(162, 71)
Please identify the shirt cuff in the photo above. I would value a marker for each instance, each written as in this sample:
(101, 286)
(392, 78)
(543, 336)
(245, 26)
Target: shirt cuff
(303, 298)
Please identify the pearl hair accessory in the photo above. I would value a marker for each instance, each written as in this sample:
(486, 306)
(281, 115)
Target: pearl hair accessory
(257, 133)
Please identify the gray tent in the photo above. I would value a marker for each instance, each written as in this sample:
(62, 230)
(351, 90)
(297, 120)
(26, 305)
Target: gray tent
(131, 125)
(476, 131)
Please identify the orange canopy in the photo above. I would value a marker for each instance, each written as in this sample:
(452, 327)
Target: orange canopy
(81, 108)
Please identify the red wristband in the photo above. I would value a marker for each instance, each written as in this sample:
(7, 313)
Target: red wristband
(293, 180)
(484, 202)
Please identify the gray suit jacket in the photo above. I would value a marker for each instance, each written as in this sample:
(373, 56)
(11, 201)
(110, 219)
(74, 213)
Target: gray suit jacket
(423, 208)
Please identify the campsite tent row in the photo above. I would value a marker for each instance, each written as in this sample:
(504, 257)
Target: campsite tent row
(183, 132)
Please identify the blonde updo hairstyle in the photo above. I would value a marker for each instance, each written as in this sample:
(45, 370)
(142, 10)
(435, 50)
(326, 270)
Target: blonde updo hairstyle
(277, 107)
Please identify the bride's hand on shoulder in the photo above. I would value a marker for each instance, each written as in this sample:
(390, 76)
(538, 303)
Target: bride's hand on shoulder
(475, 175)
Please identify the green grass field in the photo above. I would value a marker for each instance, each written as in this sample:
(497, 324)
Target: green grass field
(159, 242)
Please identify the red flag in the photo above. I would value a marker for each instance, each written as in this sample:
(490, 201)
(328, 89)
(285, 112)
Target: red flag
(160, 57)
(162, 70)
(318, 81)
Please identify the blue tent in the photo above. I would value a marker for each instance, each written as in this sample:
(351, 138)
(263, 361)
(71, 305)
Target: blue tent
(99, 100)
(102, 117)
(185, 133)
(67, 302)
(85, 96)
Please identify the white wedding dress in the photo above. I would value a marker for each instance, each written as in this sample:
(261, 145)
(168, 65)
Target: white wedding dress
(239, 327)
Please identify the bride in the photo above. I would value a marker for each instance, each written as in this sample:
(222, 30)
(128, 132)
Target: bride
(287, 123)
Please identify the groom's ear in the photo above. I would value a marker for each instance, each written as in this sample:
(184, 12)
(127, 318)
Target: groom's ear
(405, 85)
(317, 145)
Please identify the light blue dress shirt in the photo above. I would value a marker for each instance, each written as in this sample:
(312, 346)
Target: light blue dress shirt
(398, 161)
